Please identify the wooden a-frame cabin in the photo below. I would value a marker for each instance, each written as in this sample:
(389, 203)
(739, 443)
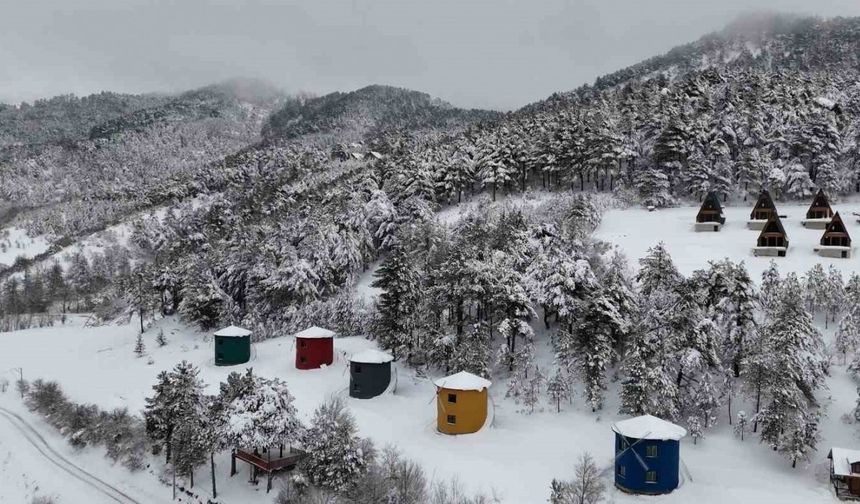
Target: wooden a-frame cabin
(835, 242)
(762, 211)
(772, 241)
(710, 216)
(819, 214)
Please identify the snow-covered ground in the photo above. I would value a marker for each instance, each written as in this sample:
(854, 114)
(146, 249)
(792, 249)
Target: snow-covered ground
(14, 242)
(516, 458)
(634, 230)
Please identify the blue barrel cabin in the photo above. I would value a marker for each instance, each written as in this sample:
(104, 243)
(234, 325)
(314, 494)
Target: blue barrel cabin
(369, 374)
(647, 455)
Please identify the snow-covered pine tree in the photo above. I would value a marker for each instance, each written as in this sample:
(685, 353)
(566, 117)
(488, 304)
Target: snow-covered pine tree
(694, 428)
(531, 391)
(657, 271)
(815, 288)
(139, 346)
(261, 414)
(741, 424)
(160, 339)
(848, 333)
(558, 387)
(399, 281)
(336, 455)
(801, 436)
(770, 288)
(834, 295)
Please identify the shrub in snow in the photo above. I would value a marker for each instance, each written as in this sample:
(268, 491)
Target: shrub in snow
(694, 427)
(139, 347)
(586, 487)
(160, 338)
(4, 385)
(336, 456)
(741, 424)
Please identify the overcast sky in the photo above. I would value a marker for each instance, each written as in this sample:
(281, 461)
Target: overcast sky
(478, 53)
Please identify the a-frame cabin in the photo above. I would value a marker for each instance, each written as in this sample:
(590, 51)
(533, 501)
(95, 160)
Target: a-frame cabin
(835, 242)
(772, 241)
(710, 216)
(819, 213)
(762, 211)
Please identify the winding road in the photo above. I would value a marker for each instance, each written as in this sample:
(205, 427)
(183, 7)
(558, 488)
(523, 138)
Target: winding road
(38, 442)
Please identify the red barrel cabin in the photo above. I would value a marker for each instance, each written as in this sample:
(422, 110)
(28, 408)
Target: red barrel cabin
(314, 348)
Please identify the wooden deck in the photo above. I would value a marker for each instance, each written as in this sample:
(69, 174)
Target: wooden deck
(276, 460)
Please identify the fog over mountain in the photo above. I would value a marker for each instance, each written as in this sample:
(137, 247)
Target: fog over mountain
(484, 53)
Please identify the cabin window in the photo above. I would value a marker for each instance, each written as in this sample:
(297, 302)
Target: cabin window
(357, 368)
(651, 451)
(452, 419)
(622, 471)
(302, 360)
(650, 476)
(452, 398)
(356, 387)
(301, 343)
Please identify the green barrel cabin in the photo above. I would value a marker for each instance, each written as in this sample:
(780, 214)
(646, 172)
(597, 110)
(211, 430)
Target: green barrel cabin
(232, 346)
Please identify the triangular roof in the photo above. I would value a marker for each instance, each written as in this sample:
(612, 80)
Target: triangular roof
(836, 225)
(649, 427)
(233, 332)
(764, 201)
(463, 381)
(712, 202)
(315, 332)
(820, 200)
(774, 225)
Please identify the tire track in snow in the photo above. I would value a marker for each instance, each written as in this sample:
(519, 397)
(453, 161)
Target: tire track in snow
(42, 446)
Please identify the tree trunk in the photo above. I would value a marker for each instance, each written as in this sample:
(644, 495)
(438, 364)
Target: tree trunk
(212, 467)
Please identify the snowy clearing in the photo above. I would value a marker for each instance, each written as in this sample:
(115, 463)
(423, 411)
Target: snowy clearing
(516, 458)
(14, 242)
(635, 230)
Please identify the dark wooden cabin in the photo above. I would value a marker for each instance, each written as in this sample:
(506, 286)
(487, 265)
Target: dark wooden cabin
(820, 207)
(836, 235)
(711, 210)
(764, 207)
(772, 240)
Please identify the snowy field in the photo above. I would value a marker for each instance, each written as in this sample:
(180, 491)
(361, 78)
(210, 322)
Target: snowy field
(635, 230)
(516, 458)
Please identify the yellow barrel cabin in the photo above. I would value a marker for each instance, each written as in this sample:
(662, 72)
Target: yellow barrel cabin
(461, 403)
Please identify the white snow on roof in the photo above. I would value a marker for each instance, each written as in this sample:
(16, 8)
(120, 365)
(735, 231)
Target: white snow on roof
(315, 332)
(649, 427)
(371, 356)
(233, 332)
(825, 102)
(463, 381)
(842, 460)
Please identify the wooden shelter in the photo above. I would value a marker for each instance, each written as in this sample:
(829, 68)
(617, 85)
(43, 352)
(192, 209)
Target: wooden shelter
(314, 348)
(772, 241)
(835, 242)
(647, 455)
(461, 403)
(762, 211)
(819, 213)
(232, 346)
(267, 463)
(710, 216)
(845, 472)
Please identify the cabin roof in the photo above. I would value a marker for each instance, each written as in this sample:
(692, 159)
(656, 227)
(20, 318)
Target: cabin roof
(820, 200)
(371, 356)
(463, 381)
(712, 202)
(315, 332)
(764, 202)
(649, 427)
(233, 332)
(774, 225)
(842, 460)
(836, 225)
